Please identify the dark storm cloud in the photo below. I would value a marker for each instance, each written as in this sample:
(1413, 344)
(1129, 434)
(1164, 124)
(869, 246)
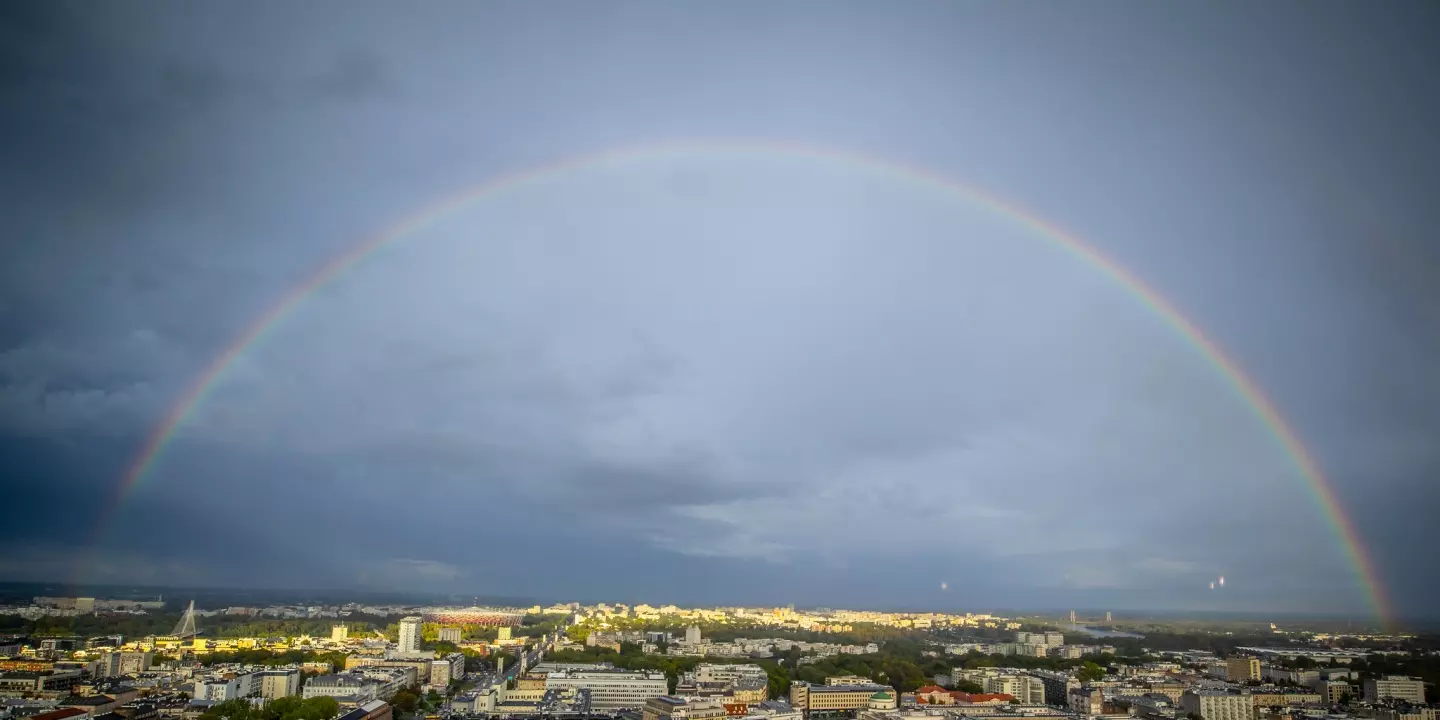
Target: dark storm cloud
(665, 374)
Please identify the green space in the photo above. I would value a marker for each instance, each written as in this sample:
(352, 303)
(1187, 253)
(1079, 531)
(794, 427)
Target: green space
(288, 708)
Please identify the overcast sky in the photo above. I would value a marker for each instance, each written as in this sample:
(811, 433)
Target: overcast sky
(715, 373)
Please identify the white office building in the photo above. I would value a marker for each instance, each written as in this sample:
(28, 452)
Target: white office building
(343, 687)
(410, 634)
(1395, 687)
(611, 689)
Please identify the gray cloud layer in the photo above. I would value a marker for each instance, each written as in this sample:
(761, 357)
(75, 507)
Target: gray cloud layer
(668, 372)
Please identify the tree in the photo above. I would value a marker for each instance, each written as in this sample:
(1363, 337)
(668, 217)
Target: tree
(406, 701)
(968, 686)
(1090, 672)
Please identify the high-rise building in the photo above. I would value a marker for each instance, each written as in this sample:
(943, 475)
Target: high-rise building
(1395, 687)
(281, 682)
(1242, 669)
(450, 634)
(1107, 617)
(1072, 617)
(410, 633)
(503, 633)
(1217, 705)
(448, 669)
(339, 632)
(692, 635)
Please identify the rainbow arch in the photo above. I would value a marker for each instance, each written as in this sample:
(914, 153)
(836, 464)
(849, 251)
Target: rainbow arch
(153, 449)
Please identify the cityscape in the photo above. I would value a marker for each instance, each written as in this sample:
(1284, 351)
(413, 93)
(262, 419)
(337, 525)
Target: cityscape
(641, 662)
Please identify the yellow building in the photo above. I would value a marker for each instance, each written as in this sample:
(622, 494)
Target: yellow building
(809, 698)
(1242, 669)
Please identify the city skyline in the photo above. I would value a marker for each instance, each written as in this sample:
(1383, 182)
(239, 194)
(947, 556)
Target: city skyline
(943, 307)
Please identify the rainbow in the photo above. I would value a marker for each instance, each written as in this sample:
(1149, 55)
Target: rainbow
(194, 395)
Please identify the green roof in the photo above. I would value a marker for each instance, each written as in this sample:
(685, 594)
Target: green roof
(882, 695)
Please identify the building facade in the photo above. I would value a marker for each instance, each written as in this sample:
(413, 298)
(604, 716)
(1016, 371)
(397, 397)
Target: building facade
(611, 689)
(1242, 669)
(410, 634)
(345, 686)
(1217, 704)
(668, 707)
(280, 682)
(134, 663)
(810, 698)
(448, 669)
(1395, 687)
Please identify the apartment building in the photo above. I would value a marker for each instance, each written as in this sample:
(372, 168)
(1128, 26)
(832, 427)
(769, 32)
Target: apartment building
(1218, 704)
(1057, 686)
(1028, 690)
(410, 634)
(279, 682)
(342, 686)
(448, 669)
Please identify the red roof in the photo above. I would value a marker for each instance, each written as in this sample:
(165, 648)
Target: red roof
(930, 690)
(58, 714)
(982, 697)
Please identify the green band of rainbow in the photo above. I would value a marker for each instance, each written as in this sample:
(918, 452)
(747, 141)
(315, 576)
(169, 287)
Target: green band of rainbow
(1246, 388)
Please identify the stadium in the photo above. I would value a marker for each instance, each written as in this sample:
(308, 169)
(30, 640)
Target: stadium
(473, 616)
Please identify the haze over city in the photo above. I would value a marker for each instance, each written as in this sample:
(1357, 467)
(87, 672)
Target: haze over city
(854, 305)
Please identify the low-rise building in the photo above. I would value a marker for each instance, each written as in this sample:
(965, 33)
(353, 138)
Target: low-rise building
(370, 710)
(44, 683)
(93, 705)
(344, 687)
(611, 690)
(1283, 697)
(810, 698)
(669, 707)
(1405, 711)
